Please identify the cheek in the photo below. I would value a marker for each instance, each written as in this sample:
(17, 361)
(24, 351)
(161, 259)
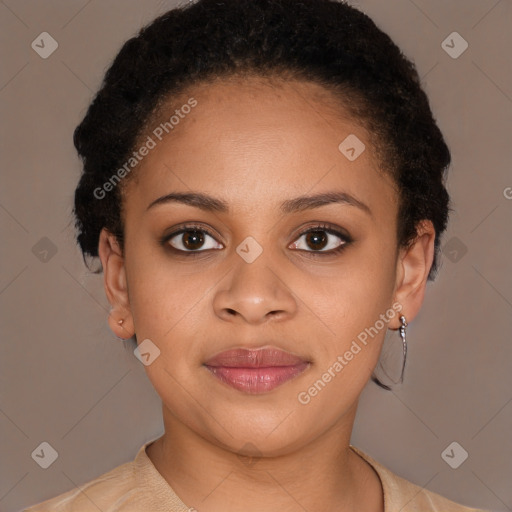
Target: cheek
(356, 308)
(351, 303)
(161, 292)
(166, 309)
(360, 287)
(162, 300)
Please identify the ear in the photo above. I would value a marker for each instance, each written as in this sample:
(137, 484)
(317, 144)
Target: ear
(114, 279)
(413, 267)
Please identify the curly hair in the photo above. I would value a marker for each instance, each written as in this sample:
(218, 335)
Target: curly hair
(322, 41)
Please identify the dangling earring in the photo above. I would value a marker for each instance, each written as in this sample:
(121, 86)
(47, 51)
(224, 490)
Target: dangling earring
(404, 344)
(402, 333)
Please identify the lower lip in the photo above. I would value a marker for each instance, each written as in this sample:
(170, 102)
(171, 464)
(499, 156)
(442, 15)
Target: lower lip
(256, 380)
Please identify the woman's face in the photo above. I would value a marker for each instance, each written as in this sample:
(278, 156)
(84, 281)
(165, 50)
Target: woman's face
(251, 159)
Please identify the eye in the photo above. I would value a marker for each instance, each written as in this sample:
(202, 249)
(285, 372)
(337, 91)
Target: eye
(192, 239)
(321, 239)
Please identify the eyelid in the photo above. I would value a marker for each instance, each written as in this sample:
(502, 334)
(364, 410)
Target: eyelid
(327, 228)
(183, 228)
(313, 227)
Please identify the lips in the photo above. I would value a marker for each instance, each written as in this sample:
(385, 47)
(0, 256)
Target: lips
(256, 371)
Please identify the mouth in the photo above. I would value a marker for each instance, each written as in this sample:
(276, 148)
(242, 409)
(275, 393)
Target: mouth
(256, 371)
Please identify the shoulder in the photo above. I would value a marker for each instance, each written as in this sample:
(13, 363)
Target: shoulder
(130, 487)
(97, 494)
(404, 496)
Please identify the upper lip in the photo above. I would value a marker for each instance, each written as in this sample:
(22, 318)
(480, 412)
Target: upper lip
(255, 358)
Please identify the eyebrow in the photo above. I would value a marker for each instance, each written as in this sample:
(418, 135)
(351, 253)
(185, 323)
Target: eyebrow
(302, 203)
(297, 204)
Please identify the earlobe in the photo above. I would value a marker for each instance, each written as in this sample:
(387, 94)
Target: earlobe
(122, 327)
(414, 263)
(114, 279)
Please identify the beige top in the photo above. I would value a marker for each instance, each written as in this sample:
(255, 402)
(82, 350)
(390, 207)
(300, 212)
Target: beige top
(138, 486)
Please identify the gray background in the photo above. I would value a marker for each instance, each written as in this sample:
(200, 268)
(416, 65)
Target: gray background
(66, 380)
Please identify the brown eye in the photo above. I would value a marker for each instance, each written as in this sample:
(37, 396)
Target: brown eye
(193, 240)
(321, 240)
(316, 239)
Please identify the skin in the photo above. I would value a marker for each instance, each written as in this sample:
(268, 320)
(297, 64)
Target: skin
(255, 144)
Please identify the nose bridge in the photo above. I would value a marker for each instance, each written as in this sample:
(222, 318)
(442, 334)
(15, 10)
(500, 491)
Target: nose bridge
(254, 290)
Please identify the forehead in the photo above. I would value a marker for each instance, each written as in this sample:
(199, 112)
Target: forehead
(253, 140)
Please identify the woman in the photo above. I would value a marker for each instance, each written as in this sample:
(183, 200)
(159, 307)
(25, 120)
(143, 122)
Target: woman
(264, 186)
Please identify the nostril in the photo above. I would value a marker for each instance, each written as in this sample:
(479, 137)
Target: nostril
(231, 311)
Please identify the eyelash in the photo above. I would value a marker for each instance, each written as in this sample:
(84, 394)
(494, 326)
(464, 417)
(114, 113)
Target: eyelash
(345, 238)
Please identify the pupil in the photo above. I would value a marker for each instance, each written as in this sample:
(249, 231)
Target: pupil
(316, 239)
(193, 239)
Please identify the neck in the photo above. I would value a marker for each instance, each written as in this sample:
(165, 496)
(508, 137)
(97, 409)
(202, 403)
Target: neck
(322, 475)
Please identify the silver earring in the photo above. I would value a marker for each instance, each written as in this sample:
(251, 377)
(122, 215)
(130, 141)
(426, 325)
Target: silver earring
(404, 344)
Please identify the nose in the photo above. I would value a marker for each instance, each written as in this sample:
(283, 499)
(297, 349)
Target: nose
(254, 293)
